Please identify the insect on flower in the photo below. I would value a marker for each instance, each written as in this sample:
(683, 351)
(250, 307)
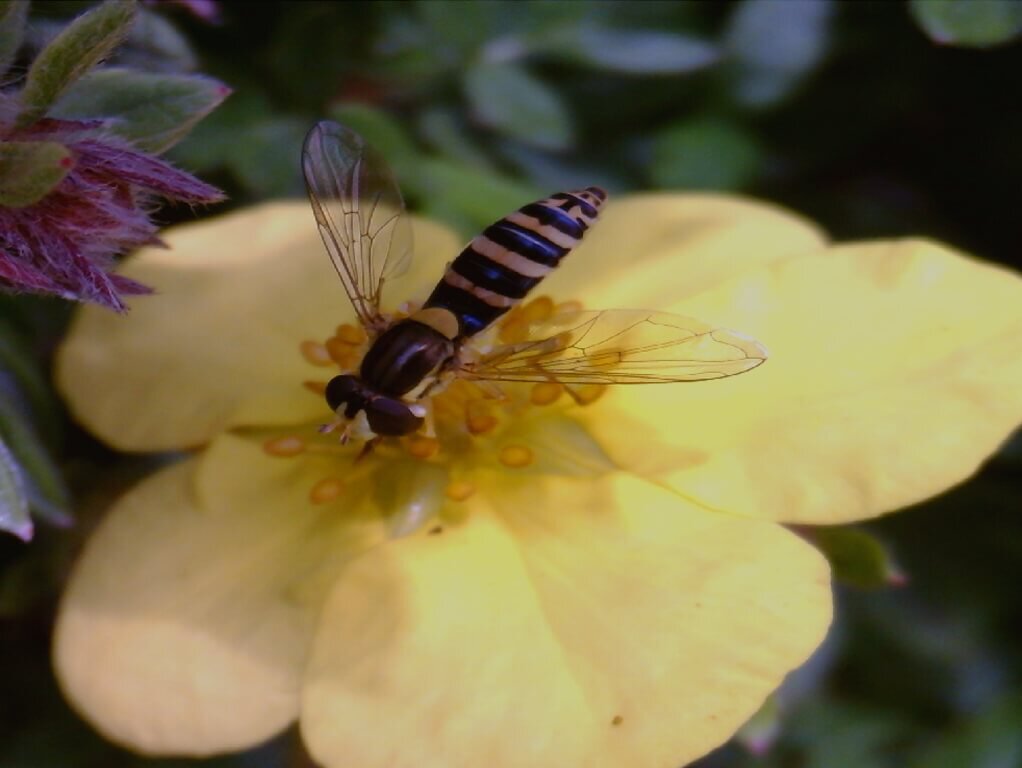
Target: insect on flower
(361, 218)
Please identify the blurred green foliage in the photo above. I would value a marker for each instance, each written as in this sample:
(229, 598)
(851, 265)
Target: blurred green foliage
(874, 118)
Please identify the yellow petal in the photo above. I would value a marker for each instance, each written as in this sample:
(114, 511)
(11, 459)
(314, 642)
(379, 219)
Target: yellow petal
(184, 630)
(895, 369)
(648, 251)
(218, 345)
(564, 623)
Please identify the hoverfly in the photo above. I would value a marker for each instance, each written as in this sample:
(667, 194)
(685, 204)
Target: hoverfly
(361, 218)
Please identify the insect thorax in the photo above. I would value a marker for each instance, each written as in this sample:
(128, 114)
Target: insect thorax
(403, 356)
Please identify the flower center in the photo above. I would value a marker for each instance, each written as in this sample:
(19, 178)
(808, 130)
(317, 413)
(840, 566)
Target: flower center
(470, 427)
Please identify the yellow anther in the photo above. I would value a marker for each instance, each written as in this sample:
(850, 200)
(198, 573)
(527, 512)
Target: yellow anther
(326, 490)
(588, 393)
(341, 352)
(291, 445)
(316, 387)
(350, 334)
(514, 330)
(545, 393)
(569, 306)
(315, 353)
(515, 456)
(422, 447)
(479, 419)
(541, 308)
(459, 490)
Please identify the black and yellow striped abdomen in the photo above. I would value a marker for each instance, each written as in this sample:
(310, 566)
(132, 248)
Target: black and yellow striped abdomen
(500, 266)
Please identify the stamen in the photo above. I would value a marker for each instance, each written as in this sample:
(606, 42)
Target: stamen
(540, 308)
(572, 305)
(479, 419)
(587, 394)
(515, 456)
(545, 393)
(342, 353)
(291, 445)
(514, 330)
(326, 490)
(350, 334)
(315, 353)
(459, 490)
(316, 387)
(422, 447)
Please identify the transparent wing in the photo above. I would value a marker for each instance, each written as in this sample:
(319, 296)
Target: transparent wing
(360, 214)
(619, 346)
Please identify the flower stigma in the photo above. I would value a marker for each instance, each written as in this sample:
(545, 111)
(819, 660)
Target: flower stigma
(469, 426)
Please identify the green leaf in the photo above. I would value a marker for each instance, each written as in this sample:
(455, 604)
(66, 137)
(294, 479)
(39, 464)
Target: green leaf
(992, 739)
(774, 45)
(510, 100)
(29, 170)
(466, 197)
(42, 482)
(707, 153)
(16, 362)
(80, 46)
(208, 147)
(153, 111)
(968, 23)
(552, 173)
(12, 27)
(460, 25)
(445, 132)
(13, 500)
(857, 558)
(381, 130)
(840, 734)
(264, 156)
(154, 44)
(645, 52)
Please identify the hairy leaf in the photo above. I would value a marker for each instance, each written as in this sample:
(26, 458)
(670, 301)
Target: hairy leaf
(85, 42)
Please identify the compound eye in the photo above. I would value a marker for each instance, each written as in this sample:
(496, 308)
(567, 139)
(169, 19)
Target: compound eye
(341, 389)
(391, 418)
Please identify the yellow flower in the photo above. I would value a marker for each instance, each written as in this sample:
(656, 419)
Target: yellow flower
(599, 585)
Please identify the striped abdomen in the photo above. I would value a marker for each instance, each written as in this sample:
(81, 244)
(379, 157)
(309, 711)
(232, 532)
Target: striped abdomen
(499, 267)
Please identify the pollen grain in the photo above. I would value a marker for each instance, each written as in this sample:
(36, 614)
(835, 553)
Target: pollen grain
(315, 387)
(326, 490)
(350, 334)
(459, 490)
(422, 447)
(289, 445)
(540, 308)
(572, 305)
(342, 353)
(479, 418)
(587, 394)
(545, 393)
(315, 353)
